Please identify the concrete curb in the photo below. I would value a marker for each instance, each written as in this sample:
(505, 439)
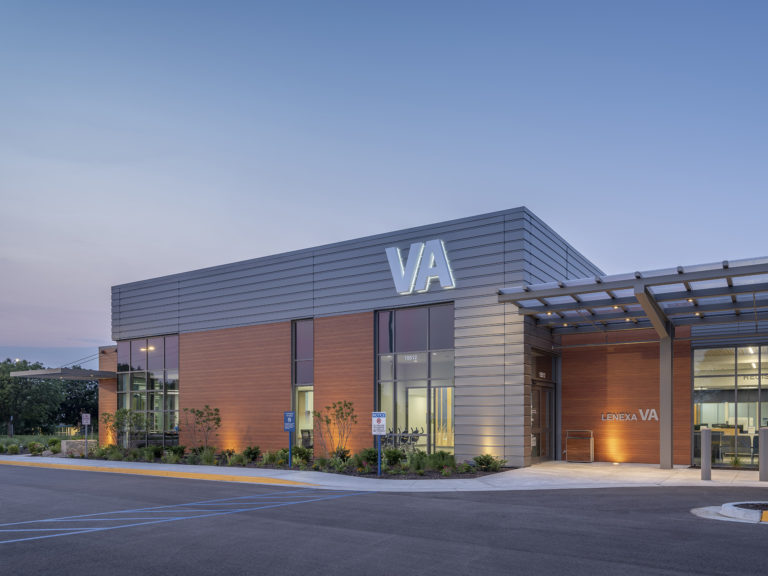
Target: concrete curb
(732, 510)
(545, 476)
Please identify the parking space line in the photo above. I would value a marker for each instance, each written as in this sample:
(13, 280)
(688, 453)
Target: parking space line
(240, 504)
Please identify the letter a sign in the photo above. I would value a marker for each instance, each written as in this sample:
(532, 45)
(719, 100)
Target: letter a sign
(427, 261)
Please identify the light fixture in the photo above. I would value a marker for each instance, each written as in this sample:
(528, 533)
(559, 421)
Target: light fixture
(754, 365)
(690, 300)
(565, 324)
(549, 313)
(626, 319)
(615, 307)
(751, 351)
(698, 313)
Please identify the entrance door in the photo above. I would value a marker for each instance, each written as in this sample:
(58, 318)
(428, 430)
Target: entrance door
(542, 422)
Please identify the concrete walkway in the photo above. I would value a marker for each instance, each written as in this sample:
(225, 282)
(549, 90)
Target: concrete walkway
(546, 476)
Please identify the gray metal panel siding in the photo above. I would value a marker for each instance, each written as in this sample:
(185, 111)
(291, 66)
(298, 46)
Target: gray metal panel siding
(341, 278)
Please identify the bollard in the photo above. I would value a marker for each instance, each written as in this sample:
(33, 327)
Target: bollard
(706, 454)
(763, 454)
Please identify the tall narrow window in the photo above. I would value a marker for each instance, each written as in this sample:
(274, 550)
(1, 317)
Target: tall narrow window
(415, 374)
(148, 384)
(303, 379)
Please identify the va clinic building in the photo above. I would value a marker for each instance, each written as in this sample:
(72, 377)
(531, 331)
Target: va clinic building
(487, 334)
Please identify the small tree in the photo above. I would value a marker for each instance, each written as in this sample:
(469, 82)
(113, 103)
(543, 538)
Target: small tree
(335, 426)
(124, 427)
(202, 423)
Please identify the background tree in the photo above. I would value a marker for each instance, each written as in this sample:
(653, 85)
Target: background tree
(33, 404)
(79, 396)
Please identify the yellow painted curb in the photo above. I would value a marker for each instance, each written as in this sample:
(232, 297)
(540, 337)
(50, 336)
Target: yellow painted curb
(765, 516)
(163, 473)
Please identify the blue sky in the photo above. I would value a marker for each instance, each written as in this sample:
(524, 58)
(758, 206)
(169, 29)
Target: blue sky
(139, 139)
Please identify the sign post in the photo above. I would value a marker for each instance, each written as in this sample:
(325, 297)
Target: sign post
(379, 428)
(86, 419)
(289, 425)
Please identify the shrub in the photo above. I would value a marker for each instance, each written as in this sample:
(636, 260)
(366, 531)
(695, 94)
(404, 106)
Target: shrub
(417, 461)
(147, 454)
(133, 455)
(393, 456)
(489, 463)
(55, 447)
(364, 459)
(170, 457)
(277, 458)
(466, 468)
(337, 465)
(252, 453)
(2, 448)
(227, 455)
(12, 449)
(193, 458)
(177, 450)
(302, 454)
(440, 459)
(237, 460)
(35, 448)
(208, 456)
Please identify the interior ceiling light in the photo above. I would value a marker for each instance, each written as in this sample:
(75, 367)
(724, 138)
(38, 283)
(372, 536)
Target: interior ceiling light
(751, 351)
(754, 365)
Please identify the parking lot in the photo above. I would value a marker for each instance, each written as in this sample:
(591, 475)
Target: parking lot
(76, 522)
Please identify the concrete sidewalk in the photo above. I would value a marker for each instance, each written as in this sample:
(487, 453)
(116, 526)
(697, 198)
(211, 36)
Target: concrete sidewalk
(546, 476)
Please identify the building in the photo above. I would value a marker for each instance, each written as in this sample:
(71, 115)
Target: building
(488, 334)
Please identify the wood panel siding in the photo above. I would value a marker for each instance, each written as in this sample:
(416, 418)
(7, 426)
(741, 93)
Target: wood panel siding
(246, 373)
(107, 389)
(601, 382)
(344, 371)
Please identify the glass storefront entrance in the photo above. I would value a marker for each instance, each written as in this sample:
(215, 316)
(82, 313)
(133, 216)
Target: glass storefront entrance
(728, 398)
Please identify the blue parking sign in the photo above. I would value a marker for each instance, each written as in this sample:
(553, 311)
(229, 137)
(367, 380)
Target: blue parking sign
(289, 421)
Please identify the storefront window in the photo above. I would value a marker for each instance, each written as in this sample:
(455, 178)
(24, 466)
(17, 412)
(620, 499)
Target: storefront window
(415, 383)
(148, 383)
(727, 389)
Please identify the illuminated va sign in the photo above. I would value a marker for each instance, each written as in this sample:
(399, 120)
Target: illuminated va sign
(645, 416)
(427, 261)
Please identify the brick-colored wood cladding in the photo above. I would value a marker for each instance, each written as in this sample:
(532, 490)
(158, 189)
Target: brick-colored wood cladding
(107, 388)
(344, 370)
(623, 379)
(246, 374)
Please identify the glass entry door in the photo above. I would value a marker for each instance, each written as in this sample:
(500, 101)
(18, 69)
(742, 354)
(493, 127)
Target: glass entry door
(542, 422)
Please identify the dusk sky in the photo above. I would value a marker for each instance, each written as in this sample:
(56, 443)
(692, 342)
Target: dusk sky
(139, 139)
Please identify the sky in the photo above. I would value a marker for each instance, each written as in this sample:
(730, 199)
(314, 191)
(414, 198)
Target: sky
(145, 138)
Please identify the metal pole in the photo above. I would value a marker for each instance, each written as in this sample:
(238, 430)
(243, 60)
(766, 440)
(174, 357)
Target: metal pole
(763, 458)
(290, 449)
(86, 442)
(378, 446)
(706, 454)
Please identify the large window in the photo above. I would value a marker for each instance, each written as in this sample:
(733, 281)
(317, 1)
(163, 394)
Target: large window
(148, 383)
(415, 370)
(728, 397)
(303, 379)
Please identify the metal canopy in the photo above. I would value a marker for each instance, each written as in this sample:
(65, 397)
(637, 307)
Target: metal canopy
(65, 374)
(721, 293)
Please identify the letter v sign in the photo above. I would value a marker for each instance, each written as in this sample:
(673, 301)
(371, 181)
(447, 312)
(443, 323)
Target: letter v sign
(405, 276)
